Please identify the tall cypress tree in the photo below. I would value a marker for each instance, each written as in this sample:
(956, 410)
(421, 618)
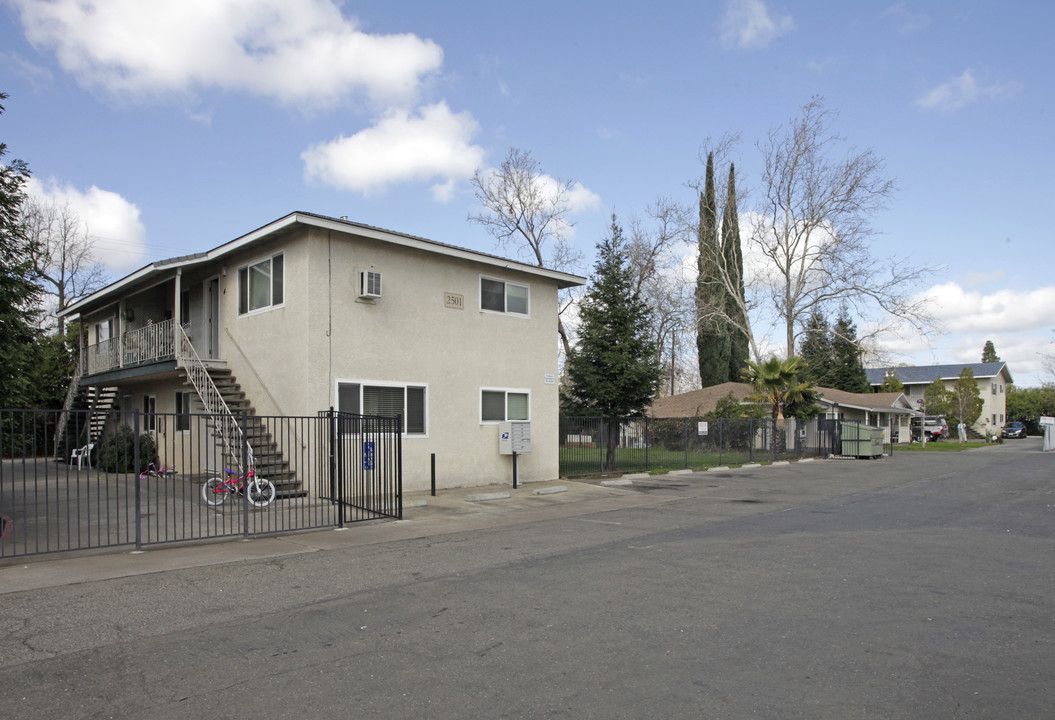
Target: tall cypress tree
(712, 336)
(732, 253)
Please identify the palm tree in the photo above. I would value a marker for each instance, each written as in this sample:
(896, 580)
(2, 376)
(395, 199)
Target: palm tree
(777, 383)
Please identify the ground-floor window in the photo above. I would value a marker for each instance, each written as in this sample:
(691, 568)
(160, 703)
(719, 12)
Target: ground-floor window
(386, 399)
(501, 404)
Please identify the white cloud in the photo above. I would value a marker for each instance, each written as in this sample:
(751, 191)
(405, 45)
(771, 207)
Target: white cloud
(433, 143)
(748, 24)
(1003, 311)
(963, 90)
(111, 221)
(294, 51)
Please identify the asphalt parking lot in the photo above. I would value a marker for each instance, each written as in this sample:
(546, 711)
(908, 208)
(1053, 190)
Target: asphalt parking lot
(914, 586)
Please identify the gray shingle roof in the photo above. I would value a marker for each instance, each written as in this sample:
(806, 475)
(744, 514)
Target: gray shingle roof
(926, 374)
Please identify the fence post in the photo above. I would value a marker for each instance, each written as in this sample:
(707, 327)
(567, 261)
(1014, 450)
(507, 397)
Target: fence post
(604, 439)
(721, 438)
(245, 475)
(336, 487)
(646, 443)
(685, 440)
(135, 471)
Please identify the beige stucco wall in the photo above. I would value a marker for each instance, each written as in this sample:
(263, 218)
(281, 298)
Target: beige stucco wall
(290, 359)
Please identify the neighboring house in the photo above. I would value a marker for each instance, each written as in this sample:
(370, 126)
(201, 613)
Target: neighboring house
(993, 380)
(311, 312)
(884, 410)
(697, 403)
(890, 411)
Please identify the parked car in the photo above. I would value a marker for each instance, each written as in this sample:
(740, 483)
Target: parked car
(1013, 430)
(934, 426)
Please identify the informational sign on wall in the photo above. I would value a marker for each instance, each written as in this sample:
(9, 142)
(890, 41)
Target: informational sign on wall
(701, 429)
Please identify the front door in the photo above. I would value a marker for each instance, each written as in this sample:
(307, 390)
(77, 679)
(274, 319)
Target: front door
(212, 318)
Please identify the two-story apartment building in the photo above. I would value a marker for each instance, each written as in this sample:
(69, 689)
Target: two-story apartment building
(993, 380)
(311, 312)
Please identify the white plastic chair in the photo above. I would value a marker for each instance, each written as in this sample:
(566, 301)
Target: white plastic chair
(83, 454)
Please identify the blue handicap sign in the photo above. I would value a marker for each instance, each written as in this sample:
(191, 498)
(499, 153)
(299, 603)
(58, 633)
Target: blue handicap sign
(368, 455)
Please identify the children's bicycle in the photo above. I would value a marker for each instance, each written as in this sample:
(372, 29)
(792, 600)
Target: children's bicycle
(216, 490)
(152, 471)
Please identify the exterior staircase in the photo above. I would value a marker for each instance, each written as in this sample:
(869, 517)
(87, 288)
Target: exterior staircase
(268, 460)
(75, 427)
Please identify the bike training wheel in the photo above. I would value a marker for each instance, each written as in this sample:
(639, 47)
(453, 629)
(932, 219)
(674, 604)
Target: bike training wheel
(261, 492)
(213, 491)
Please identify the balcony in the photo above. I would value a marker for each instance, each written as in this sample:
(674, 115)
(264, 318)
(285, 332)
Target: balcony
(154, 342)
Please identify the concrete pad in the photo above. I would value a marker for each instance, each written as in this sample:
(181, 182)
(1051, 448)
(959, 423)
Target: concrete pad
(551, 490)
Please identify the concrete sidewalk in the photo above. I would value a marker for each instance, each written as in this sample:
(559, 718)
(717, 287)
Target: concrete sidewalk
(450, 511)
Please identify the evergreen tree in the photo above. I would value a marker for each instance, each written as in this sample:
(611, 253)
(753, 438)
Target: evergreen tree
(19, 294)
(613, 371)
(846, 371)
(712, 335)
(815, 349)
(936, 398)
(989, 353)
(965, 398)
(732, 252)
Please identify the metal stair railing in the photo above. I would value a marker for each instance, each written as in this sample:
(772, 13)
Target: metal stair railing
(227, 425)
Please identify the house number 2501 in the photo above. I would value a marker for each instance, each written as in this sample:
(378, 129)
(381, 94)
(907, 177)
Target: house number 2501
(454, 300)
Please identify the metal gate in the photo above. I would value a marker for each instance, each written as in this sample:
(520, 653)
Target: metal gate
(135, 479)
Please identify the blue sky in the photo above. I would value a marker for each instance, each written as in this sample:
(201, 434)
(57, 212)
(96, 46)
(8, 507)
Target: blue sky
(176, 125)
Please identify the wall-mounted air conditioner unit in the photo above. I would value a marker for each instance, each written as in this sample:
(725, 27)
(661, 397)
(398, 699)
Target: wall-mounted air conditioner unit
(369, 284)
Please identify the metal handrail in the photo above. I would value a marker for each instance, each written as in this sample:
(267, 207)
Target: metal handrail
(229, 429)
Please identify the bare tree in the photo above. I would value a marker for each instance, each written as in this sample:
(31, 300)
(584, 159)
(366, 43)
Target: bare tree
(64, 261)
(525, 208)
(815, 228)
(655, 252)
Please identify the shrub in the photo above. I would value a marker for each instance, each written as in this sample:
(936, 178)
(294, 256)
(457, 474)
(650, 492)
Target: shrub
(117, 454)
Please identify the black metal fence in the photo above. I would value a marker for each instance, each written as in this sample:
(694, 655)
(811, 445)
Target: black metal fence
(593, 445)
(139, 481)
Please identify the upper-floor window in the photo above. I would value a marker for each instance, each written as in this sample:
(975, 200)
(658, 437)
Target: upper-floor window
(994, 388)
(504, 297)
(260, 285)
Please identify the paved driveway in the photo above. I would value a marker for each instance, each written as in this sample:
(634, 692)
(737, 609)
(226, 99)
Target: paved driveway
(919, 586)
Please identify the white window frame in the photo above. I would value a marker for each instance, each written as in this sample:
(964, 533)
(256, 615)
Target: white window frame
(243, 284)
(506, 284)
(506, 392)
(382, 383)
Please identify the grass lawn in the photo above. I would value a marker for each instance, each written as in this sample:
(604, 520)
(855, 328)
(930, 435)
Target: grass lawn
(590, 461)
(941, 446)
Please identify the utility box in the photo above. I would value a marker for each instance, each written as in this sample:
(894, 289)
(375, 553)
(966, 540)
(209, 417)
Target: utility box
(514, 437)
